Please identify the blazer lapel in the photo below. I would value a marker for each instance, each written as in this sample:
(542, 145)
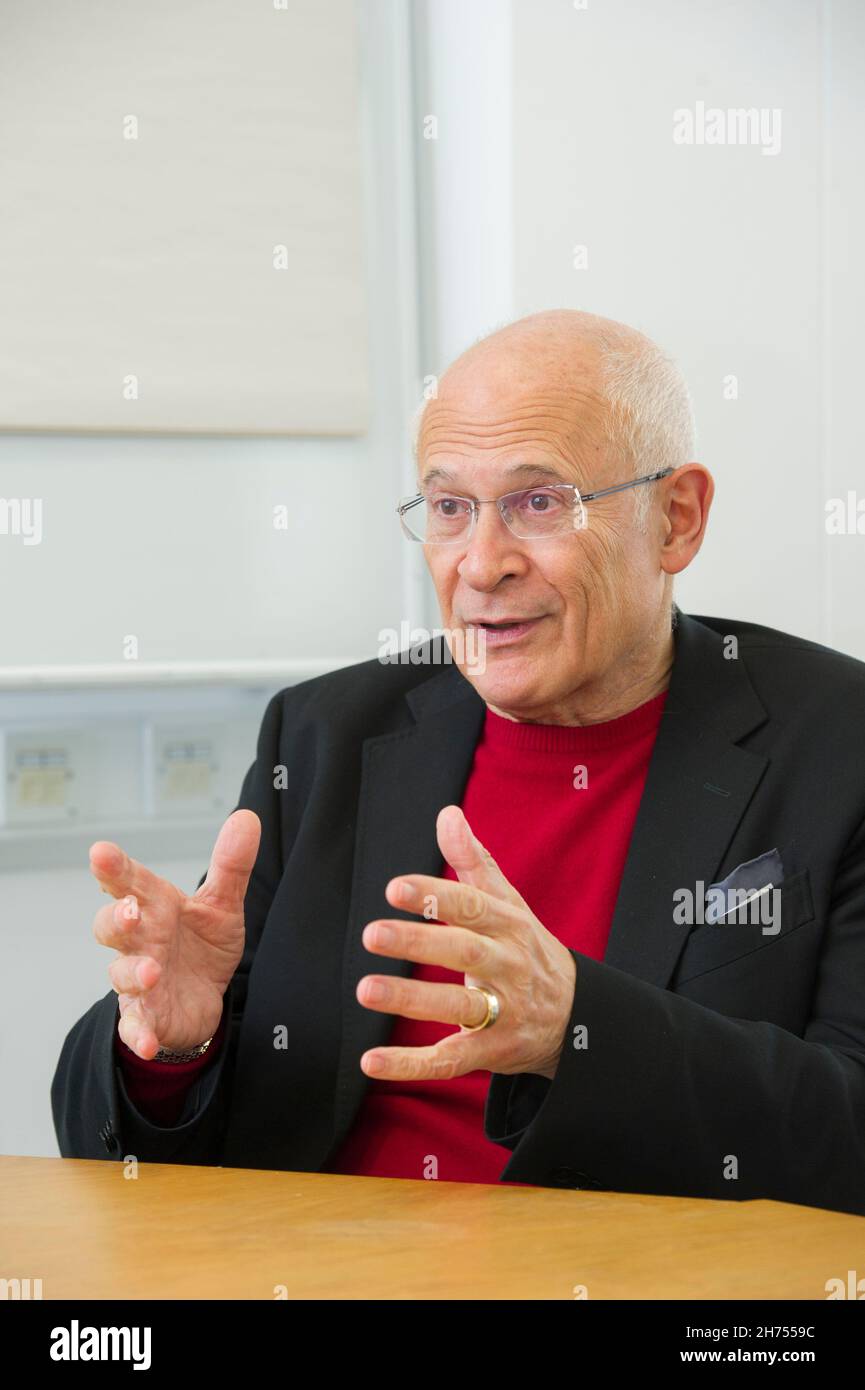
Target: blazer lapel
(407, 777)
(698, 787)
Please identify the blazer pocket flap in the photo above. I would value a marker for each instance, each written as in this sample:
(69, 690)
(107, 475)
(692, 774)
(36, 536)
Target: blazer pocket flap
(753, 928)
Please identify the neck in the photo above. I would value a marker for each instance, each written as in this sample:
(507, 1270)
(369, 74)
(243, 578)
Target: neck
(640, 676)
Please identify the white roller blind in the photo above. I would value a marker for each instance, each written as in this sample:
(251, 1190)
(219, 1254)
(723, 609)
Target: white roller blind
(181, 232)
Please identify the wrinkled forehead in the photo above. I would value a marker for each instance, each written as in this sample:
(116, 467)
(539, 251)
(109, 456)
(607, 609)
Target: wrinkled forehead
(563, 424)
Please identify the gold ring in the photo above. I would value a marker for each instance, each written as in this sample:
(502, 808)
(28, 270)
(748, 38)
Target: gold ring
(492, 1010)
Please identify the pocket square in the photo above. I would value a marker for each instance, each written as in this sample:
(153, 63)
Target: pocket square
(755, 875)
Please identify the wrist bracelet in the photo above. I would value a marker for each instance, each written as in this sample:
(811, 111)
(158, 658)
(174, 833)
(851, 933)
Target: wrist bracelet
(165, 1054)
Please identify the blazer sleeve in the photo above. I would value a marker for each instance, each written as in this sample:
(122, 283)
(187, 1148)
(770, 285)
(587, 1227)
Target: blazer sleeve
(93, 1116)
(671, 1097)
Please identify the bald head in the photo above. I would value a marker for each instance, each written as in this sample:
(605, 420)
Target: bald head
(617, 398)
(556, 345)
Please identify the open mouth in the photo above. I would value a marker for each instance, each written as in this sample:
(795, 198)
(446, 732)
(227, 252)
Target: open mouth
(510, 630)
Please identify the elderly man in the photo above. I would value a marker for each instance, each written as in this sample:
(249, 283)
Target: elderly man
(458, 926)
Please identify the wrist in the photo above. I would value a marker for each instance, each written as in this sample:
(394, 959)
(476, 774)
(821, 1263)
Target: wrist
(179, 1053)
(189, 1054)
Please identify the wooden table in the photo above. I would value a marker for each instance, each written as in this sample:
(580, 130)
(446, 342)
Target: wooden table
(177, 1231)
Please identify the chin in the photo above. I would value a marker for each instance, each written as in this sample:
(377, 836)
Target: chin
(508, 690)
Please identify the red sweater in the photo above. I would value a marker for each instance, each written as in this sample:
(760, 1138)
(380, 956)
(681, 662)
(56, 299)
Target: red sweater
(563, 845)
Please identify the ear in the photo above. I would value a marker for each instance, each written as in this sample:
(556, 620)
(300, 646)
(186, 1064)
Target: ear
(686, 514)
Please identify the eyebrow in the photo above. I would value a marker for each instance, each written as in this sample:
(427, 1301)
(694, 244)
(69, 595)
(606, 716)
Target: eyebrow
(528, 471)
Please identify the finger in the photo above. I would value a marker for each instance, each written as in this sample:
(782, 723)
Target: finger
(419, 999)
(115, 924)
(136, 1031)
(468, 858)
(134, 975)
(121, 876)
(454, 948)
(459, 904)
(455, 1055)
(232, 860)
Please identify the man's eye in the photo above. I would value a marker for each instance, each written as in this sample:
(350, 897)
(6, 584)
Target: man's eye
(541, 501)
(448, 507)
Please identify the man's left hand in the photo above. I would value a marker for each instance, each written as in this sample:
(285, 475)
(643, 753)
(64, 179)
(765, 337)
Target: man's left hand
(491, 935)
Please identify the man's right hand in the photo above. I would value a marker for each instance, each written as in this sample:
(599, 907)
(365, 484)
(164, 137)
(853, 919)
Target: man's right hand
(178, 952)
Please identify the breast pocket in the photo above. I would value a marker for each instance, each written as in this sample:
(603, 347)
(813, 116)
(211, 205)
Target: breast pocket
(708, 947)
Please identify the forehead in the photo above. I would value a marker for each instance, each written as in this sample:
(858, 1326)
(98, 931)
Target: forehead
(516, 433)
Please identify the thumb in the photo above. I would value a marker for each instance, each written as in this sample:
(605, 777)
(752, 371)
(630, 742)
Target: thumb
(468, 858)
(231, 862)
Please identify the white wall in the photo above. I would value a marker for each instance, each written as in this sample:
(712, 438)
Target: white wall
(171, 538)
(736, 262)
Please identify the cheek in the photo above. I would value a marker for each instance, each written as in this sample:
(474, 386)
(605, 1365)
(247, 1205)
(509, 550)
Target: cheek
(443, 572)
(606, 563)
(579, 577)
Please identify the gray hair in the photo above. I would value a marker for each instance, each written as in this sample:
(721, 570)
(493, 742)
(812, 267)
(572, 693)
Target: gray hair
(650, 423)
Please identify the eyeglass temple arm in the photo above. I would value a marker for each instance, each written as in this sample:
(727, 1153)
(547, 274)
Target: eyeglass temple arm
(620, 487)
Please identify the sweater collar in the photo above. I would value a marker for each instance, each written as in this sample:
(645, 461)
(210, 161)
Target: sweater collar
(502, 734)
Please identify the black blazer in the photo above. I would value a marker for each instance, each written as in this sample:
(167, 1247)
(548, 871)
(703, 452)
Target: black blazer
(711, 1048)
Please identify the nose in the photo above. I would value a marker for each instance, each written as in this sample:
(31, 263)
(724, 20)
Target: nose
(493, 552)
